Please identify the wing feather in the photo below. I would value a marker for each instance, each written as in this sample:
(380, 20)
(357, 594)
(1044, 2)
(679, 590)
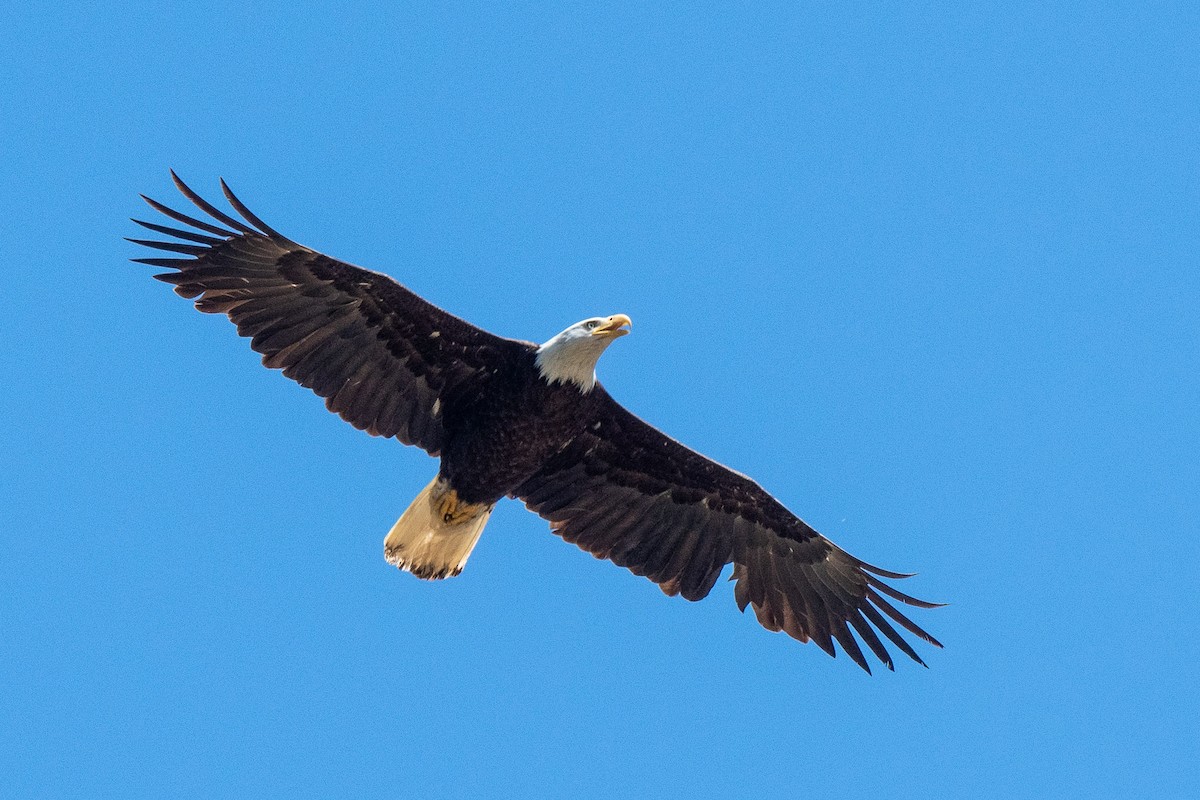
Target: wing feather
(381, 356)
(670, 578)
(652, 554)
(884, 627)
(868, 635)
(208, 208)
(711, 555)
(186, 220)
(179, 233)
(626, 492)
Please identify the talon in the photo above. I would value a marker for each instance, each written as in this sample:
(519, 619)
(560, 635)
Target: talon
(451, 510)
(447, 505)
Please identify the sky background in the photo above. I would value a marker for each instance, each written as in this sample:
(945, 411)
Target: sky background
(928, 272)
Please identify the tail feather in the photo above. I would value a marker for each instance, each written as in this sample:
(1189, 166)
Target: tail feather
(424, 543)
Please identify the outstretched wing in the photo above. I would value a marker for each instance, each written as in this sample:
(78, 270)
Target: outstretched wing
(380, 355)
(626, 492)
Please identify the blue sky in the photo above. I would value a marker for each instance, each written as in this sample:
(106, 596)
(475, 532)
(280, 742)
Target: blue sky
(928, 273)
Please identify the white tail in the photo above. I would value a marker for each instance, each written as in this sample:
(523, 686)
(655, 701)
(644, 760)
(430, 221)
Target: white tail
(434, 537)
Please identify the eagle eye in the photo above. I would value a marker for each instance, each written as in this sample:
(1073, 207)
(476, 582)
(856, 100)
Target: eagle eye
(591, 324)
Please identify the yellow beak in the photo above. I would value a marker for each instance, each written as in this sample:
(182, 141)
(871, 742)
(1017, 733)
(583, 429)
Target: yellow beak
(614, 326)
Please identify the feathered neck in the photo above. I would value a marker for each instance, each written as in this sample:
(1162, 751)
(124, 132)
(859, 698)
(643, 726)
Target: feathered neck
(571, 359)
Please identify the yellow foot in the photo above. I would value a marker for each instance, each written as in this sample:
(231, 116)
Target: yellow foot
(450, 509)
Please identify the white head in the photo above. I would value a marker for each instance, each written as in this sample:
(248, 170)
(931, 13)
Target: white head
(572, 355)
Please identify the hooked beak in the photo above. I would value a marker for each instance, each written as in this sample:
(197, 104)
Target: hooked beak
(614, 326)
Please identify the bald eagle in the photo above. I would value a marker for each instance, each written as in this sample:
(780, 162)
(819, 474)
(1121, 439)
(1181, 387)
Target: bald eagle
(509, 418)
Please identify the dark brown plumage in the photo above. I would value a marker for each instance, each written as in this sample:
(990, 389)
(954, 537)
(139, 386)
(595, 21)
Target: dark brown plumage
(394, 365)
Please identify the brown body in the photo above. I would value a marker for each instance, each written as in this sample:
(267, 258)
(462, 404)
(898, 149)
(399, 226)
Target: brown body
(489, 450)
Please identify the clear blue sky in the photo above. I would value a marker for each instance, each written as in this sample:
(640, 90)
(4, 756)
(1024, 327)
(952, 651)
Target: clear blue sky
(928, 272)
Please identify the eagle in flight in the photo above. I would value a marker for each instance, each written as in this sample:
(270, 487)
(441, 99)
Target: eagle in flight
(509, 418)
